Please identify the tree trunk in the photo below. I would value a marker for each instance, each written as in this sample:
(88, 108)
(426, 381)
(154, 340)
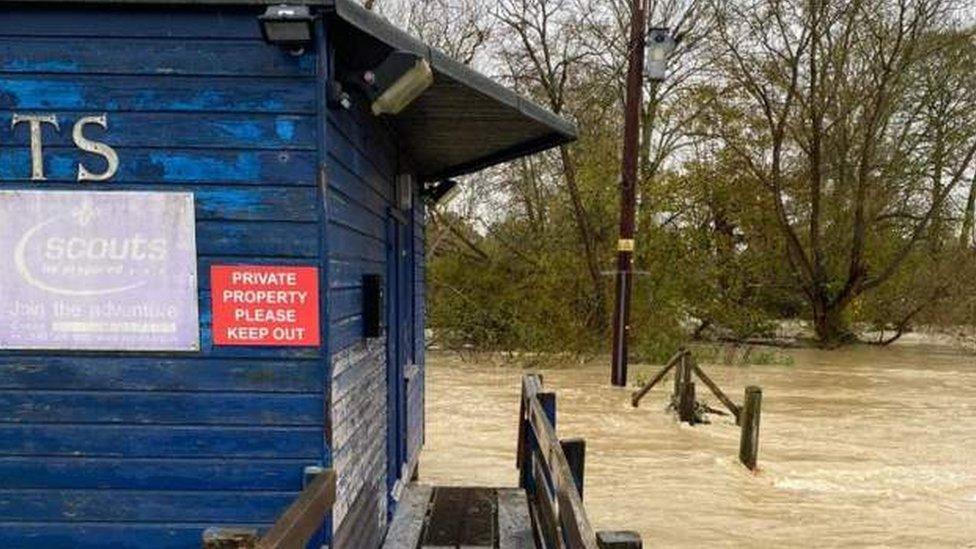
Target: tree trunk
(599, 318)
(965, 238)
(829, 324)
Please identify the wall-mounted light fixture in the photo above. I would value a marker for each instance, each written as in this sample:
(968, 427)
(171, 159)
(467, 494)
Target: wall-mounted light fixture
(660, 46)
(399, 80)
(440, 191)
(287, 26)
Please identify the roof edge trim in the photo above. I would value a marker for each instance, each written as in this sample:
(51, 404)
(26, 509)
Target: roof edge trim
(384, 31)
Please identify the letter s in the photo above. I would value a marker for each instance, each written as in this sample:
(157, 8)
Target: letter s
(157, 249)
(55, 248)
(94, 147)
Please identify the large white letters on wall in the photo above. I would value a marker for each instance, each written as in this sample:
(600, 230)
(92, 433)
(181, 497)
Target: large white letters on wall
(36, 123)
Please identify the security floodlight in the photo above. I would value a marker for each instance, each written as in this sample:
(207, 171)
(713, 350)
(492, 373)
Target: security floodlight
(442, 191)
(397, 82)
(660, 46)
(287, 26)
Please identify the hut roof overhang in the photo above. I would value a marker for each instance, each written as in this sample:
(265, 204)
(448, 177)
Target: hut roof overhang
(464, 123)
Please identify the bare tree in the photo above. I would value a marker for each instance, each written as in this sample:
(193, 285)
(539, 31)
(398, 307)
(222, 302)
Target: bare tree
(459, 28)
(544, 49)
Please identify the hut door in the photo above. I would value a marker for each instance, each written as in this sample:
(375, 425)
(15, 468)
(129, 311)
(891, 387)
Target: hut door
(399, 318)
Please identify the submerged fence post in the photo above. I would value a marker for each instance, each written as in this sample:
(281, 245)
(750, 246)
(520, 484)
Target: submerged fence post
(679, 373)
(749, 443)
(686, 406)
(686, 395)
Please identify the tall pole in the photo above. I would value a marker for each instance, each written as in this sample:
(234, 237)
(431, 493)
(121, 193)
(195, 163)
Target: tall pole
(628, 191)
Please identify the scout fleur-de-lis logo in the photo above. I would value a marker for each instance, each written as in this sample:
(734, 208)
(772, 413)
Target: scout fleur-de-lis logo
(85, 213)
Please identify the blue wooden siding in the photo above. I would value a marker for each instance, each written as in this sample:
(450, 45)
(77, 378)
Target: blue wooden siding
(361, 168)
(112, 450)
(133, 451)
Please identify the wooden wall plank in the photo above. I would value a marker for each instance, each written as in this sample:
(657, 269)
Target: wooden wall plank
(159, 442)
(161, 167)
(345, 303)
(262, 239)
(347, 273)
(246, 409)
(182, 130)
(32, 535)
(350, 186)
(128, 505)
(108, 55)
(352, 215)
(59, 473)
(350, 244)
(358, 132)
(146, 21)
(155, 94)
(47, 373)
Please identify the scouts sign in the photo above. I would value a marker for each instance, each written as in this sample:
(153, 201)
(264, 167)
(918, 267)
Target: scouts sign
(98, 271)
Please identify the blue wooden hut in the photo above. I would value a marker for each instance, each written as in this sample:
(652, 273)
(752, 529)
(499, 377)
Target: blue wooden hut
(213, 260)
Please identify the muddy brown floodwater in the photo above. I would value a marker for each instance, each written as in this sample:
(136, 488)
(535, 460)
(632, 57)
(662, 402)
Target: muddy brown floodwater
(859, 448)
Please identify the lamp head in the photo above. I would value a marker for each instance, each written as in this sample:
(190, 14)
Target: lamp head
(287, 26)
(399, 80)
(660, 46)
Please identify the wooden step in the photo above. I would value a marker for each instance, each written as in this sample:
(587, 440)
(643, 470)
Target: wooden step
(437, 517)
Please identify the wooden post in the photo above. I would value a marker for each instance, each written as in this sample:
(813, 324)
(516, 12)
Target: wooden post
(526, 440)
(639, 394)
(548, 402)
(575, 450)
(522, 452)
(543, 491)
(619, 540)
(736, 411)
(749, 443)
(686, 406)
(686, 369)
(679, 374)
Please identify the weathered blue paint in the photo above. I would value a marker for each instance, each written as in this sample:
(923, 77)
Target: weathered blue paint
(148, 450)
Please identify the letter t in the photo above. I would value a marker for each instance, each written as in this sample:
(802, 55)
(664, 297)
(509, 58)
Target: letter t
(37, 153)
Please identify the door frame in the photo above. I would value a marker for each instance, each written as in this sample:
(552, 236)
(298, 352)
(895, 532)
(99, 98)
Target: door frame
(397, 290)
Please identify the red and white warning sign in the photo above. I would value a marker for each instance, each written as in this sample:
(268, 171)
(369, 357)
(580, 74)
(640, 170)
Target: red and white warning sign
(265, 306)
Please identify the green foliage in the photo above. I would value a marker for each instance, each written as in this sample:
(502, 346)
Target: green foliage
(727, 245)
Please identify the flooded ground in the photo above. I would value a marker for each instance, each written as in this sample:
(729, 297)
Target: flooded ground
(859, 448)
